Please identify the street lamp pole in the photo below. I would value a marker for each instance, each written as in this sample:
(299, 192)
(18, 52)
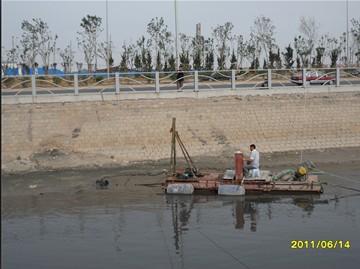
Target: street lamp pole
(176, 36)
(347, 33)
(107, 40)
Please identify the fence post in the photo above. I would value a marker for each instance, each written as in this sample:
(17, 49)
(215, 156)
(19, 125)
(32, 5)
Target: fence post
(233, 84)
(337, 77)
(76, 84)
(304, 77)
(269, 79)
(196, 81)
(33, 85)
(117, 83)
(157, 82)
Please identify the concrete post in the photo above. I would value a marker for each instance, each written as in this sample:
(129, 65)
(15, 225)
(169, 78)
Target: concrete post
(269, 79)
(117, 83)
(76, 84)
(33, 85)
(196, 81)
(304, 77)
(233, 83)
(157, 82)
(337, 77)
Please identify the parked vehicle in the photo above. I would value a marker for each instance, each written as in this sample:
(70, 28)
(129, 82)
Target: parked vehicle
(355, 72)
(313, 77)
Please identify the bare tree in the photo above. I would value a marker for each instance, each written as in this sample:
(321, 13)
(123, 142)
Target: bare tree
(355, 32)
(185, 46)
(240, 50)
(87, 38)
(309, 32)
(222, 36)
(209, 54)
(264, 32)
(102, 51)
(253, 50)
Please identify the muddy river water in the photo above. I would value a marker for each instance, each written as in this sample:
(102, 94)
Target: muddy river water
(73, 225)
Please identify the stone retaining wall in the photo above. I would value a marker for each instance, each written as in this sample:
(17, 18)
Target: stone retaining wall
(137, 130)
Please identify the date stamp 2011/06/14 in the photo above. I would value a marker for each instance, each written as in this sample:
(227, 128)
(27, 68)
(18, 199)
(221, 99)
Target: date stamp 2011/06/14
(320, 244)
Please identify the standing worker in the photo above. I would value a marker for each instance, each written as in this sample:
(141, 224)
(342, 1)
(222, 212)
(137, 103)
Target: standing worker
(254, 160)
(180, 78)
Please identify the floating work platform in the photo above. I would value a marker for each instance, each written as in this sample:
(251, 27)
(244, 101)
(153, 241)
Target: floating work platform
(234, 182)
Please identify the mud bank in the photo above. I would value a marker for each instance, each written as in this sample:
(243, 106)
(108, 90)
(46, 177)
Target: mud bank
(46, 178)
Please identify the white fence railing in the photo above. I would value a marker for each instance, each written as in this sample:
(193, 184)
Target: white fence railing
(115, 83)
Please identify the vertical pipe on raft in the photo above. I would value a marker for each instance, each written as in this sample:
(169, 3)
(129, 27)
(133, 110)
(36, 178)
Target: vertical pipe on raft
(239, 165)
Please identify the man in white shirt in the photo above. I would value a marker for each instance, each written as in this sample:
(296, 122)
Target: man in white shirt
(254, 160)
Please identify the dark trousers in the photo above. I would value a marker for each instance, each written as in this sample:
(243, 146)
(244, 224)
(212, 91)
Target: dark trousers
(179, 84)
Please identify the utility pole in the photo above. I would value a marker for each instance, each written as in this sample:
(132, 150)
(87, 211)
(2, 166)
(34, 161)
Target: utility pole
(176, 36)
(107, 40)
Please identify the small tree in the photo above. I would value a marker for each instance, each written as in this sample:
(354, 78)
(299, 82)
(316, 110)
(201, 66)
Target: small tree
(87, 38)
(255, 64)
(13, 55)
(137, 62)
(209, 54)
(123, 62)
(148, 64)
(30, 42)
(302, 49)
(251, 54)
(265, 64)
(158, 62)
(67, 57)
(334, 50)
(171, 63)
(233, 61)
(288, 57)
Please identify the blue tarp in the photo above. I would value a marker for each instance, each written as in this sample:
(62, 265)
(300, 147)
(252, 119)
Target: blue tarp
(41, 71)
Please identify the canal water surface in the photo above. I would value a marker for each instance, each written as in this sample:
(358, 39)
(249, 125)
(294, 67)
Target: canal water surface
(139, 227)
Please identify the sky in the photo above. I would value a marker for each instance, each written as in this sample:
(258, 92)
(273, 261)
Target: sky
(128, 19)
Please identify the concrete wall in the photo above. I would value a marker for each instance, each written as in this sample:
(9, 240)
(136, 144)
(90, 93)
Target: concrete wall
(135, 130)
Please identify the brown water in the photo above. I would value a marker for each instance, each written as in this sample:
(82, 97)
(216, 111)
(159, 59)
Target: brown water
(139, 227)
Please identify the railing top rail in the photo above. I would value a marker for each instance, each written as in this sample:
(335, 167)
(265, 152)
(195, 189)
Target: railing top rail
(133, 73)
